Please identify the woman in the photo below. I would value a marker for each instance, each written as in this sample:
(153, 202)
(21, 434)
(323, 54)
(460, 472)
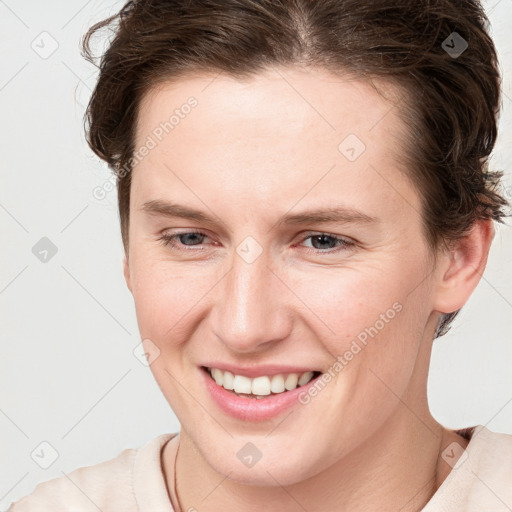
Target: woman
(305, 206)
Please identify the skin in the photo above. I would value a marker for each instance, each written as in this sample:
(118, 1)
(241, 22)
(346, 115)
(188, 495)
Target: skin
(251, 151)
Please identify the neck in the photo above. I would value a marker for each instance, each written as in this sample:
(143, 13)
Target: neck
(399, 468)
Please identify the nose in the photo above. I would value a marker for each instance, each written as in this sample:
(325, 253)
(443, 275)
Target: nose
(250, 313)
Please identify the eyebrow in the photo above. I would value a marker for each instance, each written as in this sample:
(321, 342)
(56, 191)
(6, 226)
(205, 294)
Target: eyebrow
(334, 214)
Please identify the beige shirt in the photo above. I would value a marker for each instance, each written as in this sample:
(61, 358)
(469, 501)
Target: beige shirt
(133, 481)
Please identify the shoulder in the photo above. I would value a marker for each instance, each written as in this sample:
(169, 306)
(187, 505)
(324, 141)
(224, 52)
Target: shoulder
(491, 448)
(481, 477)
(489, 470)
(108, 486)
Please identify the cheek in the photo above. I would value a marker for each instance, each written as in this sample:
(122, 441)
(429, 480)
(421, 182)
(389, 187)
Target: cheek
(372, 322)
(167, 297)
(347, 304)
(374, 326)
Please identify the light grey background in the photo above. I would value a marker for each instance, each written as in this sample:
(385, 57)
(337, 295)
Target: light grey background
(68, 373)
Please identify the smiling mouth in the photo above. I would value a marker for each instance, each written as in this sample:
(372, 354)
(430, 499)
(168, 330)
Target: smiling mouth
(260, 387)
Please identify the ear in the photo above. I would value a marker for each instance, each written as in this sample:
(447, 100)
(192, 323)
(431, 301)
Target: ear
(126, 272)
(462, 266)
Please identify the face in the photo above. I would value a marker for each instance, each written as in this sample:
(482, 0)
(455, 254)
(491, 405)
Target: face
(232, 267)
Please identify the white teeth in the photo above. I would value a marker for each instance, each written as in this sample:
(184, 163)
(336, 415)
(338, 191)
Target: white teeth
(241, 384)
(305, 378)
(218, 375)
(277, 384)
(291, 381)
(228, 380)
(260, 386)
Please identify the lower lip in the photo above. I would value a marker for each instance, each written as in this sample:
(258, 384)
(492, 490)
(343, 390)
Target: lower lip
(253, 409)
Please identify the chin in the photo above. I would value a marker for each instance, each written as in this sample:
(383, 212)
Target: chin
(262, 476)
(280, 467)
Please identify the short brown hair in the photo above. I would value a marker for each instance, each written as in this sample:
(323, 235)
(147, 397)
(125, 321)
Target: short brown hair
(452, 90)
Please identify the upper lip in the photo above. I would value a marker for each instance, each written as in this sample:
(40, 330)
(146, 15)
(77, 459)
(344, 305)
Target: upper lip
(260, 370)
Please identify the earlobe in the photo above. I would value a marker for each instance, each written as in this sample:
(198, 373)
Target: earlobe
(126, 272)
(464, 265)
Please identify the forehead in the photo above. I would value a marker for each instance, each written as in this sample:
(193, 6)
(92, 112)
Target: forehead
(282, 100)
(286, 126)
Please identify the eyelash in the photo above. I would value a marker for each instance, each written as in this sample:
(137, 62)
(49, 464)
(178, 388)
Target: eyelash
(170, 241)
